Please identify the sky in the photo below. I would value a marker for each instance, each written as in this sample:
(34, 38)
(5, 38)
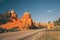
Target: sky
(40, 10)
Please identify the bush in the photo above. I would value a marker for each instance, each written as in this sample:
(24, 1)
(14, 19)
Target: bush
(57, 22)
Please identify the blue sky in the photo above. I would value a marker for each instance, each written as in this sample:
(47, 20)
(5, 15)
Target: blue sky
(41, 10)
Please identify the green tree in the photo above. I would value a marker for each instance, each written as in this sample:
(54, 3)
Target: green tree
(5, 17)
(57, 22)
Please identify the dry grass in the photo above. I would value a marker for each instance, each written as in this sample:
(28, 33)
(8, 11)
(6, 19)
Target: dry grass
(52, 35)
(57, 28)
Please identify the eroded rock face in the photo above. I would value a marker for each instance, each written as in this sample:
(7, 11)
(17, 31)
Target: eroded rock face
(43, 24)
(23, 24)
(11, 24)
(50, 25)
(13, 15)
(26, 18)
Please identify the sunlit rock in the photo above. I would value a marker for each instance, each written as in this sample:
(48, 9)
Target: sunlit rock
(22, 24)
(50, 25)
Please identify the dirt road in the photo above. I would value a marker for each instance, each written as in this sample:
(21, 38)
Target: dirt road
(20, 35)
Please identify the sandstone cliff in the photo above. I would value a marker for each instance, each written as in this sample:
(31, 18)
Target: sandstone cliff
(23, 24)
(10, 20)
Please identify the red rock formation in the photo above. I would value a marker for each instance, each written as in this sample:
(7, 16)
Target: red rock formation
(26, 18)
(13, 15)
(43, 24)
(22, 24)
(11, 24)
(50, 25)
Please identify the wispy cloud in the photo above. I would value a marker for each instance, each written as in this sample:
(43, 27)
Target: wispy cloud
(50, 11)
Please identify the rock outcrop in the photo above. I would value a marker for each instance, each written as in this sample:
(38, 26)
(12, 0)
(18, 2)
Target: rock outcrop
(26, 21)
(43, 24)
(27, 18)
(22, 24)
(50, 25)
